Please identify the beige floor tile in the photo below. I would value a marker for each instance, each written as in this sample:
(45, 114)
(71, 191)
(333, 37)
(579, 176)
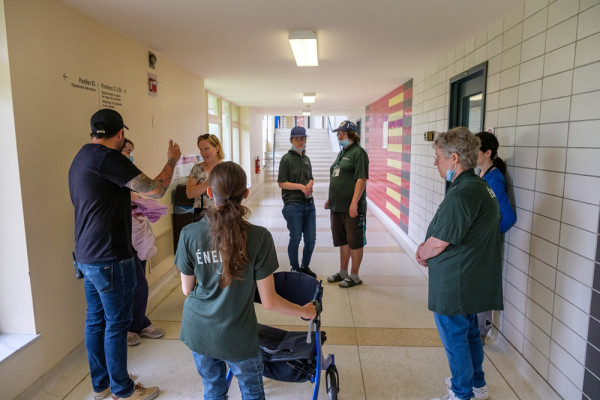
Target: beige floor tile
(390, 306)
(170, 308)
(404, 337)
(172, 330)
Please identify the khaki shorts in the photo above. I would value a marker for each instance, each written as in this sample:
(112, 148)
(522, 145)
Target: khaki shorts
(348, 231)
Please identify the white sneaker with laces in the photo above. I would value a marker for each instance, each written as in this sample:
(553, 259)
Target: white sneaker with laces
(479, 393)
(449, 396)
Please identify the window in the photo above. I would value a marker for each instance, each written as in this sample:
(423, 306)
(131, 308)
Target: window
(467, 98)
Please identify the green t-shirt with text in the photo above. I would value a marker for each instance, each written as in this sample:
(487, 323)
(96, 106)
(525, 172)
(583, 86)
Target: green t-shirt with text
(350, 165)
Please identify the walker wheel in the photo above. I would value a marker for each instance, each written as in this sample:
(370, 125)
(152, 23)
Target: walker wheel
(332, 381)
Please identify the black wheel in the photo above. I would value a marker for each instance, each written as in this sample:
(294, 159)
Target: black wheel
(332, 380)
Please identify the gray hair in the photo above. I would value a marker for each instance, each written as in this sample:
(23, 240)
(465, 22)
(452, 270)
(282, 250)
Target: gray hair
(462, 142)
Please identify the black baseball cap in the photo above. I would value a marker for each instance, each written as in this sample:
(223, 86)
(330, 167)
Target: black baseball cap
(346, 126)
(106, 122)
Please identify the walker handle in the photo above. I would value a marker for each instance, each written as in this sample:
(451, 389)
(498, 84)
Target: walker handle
(309, 333)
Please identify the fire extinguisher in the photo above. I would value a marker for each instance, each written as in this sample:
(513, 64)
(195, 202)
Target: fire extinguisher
(257, 165)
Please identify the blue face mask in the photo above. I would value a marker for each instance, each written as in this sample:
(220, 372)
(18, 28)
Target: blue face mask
(450, 174)
(344, 142)
(297, 149)
(130, 158)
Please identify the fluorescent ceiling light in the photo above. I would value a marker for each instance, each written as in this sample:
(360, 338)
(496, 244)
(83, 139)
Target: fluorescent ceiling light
(304, 47)
(306, 113)
(308, 98)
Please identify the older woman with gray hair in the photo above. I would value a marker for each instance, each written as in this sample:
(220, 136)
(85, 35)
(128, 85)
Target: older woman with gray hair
(462, 251)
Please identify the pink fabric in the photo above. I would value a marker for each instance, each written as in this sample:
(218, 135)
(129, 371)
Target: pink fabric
(149, 208)
(142, 237)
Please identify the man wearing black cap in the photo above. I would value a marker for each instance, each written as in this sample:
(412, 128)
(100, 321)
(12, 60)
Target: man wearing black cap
(348, 204)
(296, 182)
(100, 182)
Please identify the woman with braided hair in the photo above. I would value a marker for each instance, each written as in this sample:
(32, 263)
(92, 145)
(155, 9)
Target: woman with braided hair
(223, 260)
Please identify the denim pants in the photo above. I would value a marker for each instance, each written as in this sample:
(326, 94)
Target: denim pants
(461, 340)
(301, 220)
(109, 293)
(249, 374)
(140, 297)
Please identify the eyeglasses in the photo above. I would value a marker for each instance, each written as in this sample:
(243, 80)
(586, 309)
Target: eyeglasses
(214, 140)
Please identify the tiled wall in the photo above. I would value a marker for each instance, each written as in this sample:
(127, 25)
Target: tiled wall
(389, 163)
(543, 101)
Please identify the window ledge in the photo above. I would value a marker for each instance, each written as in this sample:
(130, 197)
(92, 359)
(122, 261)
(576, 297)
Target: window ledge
(12, 343)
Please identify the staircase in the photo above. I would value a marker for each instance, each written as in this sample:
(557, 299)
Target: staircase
(319, 148)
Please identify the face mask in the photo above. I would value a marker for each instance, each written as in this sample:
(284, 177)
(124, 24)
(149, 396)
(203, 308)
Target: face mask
(297, 149)
(450, 174)
(344, 142)
(130, 158)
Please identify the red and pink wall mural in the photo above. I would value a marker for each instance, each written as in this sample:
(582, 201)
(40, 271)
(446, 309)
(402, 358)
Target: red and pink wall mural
(387, 140)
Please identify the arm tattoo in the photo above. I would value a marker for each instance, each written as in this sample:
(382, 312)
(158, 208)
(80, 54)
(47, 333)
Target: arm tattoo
(144, 184)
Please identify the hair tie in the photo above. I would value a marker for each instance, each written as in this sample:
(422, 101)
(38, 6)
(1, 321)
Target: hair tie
(228, 198)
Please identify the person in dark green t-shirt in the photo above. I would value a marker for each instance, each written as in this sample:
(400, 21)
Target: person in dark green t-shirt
(462, 251)
(223, 260)
(296, 182)
(348, 203)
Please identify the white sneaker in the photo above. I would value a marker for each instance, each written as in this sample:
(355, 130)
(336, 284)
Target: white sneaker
(479, 393)
(449, 396)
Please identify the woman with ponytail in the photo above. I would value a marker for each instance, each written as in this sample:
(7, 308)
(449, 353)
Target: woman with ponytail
(223, 260)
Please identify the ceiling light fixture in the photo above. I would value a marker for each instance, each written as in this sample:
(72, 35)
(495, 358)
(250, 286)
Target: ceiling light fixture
(308, 98)
(304, 47)
(306, 113)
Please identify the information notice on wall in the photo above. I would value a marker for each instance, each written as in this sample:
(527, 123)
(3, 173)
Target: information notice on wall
(109, 95)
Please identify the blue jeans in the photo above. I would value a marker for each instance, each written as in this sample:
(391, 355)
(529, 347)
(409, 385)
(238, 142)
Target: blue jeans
(249, 374)
(109, 293)
(140, 297)
(301, 220)
(461, 340)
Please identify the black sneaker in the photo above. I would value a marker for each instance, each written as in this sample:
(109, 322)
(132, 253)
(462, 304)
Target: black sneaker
(307, 271)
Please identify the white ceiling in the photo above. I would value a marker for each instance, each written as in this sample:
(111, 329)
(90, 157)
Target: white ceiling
(240, 47)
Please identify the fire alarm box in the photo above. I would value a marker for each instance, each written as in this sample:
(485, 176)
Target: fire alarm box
(152, 85)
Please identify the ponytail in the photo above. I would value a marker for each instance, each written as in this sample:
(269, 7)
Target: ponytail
(490, 142)
(228, 226)
(499, 164)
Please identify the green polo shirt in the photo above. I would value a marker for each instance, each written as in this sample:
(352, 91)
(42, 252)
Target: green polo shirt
(466, 278)
(221, 323)
(350, 165)
(294, 168)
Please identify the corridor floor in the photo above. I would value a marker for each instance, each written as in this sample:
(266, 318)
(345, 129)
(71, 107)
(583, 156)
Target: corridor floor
(381, 333)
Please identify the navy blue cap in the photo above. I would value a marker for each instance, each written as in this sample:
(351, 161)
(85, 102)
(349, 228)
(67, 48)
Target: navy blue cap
(346, 126)
(106, 122)
(298, 131)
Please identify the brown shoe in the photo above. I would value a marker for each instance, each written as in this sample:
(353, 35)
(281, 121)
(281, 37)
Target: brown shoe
(152, 332)
(141, 393)
(133, 339)
(102, 395)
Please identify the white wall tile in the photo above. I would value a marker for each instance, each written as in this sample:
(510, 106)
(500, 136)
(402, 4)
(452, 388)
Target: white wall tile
(509, 77)
(537, 360)
(507, 117)
(480, 54)
(554, 134)
(508, 155)
(526, 135)
(493, 83)
(581, 215)
(571, 316)
(524, 219)
(494, 63)
(585, 79)
(494, 48)
(585, 106)
(542, 249)
(569, 340)
(533, 6)
(513, 17)
(585, 4)
(578, 240)
(558, 85)
(531, 70)
(562, 385)
(491, 119)
(530, 92)
(548, 205)
(524, 198)
(583, 161)
(546, 228)
(537, 337)
(512, 37)
(582, 188)
(535, 24)
(574, 292)
(492, 101)
(508, 97)
(561, 34)
(542, 296)
(518, 258)
(481, 38)
(584, 134)
(524, 177)
(551, 159)
(559, 60)
(542, 272)
(555, 110)
(528, 114)
(549, 182)
(561, 10)
(512, 315)
(538, 315)
(469, 45)
(533, 47)
(588, 50)
(588, 22)
(518, 279)
(520, 239)
(515, 295)
(514, 336)
(459, 51)
(567, 365)
(511, 57)
(575, 266)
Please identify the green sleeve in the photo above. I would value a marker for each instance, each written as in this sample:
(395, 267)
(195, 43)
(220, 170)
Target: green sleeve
(361, 169)
(183, 258)
(453, 219)
(282, 177)
(266, 260)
